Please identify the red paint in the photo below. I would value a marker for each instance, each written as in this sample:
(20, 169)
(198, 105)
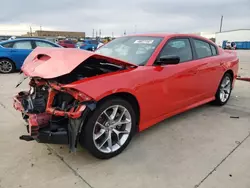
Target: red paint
(67, 44)
(244, 79)
(37, 121)
(60, 61)
(161, 91)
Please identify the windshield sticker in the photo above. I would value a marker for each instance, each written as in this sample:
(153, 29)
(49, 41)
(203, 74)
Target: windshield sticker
(143, 41)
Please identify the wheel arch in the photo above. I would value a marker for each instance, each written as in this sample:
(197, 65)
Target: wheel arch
(229, 71)
(128, 97)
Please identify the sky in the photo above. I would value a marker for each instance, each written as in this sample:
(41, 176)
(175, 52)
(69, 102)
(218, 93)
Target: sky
(116, 16)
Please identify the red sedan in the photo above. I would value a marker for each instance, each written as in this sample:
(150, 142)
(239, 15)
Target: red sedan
(67, 43)
(102, 98)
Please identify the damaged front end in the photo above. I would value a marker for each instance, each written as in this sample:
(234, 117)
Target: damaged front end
(54, 111)
(54, 114)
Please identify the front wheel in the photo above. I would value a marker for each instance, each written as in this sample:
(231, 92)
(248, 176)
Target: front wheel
(224, 91)
(109, 129)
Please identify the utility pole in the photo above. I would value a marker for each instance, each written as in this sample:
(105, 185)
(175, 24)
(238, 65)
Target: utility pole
(30, 31)
(135, 28)
(221, 22)
(100, 33)
(40, 28)
(93, 34)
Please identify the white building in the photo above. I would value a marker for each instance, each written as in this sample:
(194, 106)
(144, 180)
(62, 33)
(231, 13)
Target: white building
(207, 35)
(238, 35)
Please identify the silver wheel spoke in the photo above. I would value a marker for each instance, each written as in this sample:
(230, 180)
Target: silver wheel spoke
(117, 132)
(115, 109)
(110, 142)
(121, 116)
(107, 115)
(101, 125)
(227, 83)
(117, 135)
(123, 122)
(99, 134)
(104, 142)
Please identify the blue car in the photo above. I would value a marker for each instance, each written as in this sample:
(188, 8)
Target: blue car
(87, 44)
(14, 52)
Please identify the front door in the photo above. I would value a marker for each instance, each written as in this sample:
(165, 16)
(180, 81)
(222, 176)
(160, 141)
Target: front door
(181, 81)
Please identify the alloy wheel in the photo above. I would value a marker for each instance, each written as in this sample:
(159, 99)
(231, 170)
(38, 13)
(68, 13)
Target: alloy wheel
(225, 89)
(5, 66)
(112, 129)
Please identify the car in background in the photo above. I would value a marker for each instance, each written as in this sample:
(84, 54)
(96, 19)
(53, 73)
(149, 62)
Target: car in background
(67, 43)
(88, 44)
(14, 52)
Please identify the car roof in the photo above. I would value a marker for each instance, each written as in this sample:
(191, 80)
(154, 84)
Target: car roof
(24, 39)
(167, 35)
(170, 35)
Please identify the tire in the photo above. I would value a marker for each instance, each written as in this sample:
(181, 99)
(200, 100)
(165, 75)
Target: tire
(91, 130)
(224, 90)
(10, 66)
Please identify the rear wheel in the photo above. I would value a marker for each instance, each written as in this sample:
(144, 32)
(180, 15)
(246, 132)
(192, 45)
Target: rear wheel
(109, 129)
(224, 91)
(6, 66)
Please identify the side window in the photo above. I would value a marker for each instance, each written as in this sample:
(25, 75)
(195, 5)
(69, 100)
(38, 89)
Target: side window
(22, 45)
(214, 51)
(202, 48)
(8, 45)
(43, 44)
(179, 47)
(68, 42)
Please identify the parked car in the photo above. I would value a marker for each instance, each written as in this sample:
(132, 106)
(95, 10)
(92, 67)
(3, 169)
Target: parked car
(87, 44)
(13, 52)
(102, 99)
(67, 43)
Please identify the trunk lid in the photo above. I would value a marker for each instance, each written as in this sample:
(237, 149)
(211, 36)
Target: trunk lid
(54, 62)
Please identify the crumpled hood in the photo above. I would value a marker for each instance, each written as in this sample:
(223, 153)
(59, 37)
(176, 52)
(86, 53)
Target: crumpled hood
(54, 62)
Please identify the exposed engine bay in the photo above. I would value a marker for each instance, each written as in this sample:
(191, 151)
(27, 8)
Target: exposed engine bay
(54, 113)
(91, 67)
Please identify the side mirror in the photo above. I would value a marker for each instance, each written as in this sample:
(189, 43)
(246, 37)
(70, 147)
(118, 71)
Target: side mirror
(168, 60)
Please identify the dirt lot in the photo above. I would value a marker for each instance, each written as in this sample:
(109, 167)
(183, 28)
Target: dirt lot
(200, 148)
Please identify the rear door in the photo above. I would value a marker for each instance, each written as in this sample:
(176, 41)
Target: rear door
(210, 72)
(20, 50)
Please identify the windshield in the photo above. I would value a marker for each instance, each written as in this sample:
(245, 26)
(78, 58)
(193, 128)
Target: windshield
(134, 49)
(79, 43)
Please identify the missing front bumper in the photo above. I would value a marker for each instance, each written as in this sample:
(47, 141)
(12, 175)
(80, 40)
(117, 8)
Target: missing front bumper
(42, 129)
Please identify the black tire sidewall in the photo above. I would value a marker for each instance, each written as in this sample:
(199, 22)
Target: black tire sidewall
(86, 136)
(217, 96)
(13, 66)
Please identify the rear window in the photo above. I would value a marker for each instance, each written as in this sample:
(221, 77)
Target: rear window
(214, 51)
(8, 45)
(202, 48)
